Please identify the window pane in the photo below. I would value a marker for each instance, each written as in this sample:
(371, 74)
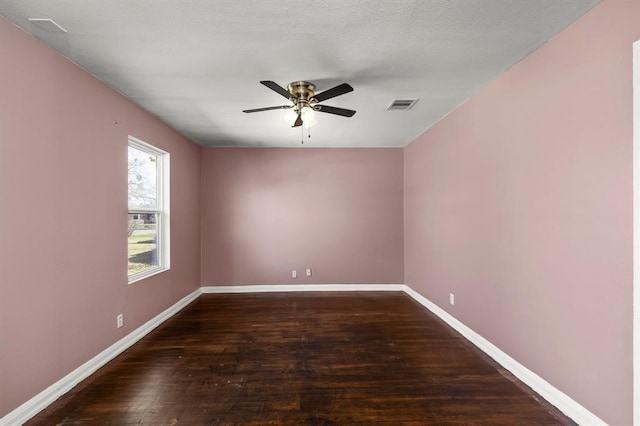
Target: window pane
(143, 242)
(143, 188)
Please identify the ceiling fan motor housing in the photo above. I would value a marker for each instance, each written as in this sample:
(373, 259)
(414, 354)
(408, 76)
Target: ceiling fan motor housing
(302, 92)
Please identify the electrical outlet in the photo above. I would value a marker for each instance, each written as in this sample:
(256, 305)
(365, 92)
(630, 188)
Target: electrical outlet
(294, 274)
(120, 320)
(308, 272)
(452, 299)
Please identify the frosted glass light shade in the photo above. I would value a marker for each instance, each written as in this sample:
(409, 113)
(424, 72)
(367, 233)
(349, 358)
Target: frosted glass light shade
(308, 114)
(291, 117)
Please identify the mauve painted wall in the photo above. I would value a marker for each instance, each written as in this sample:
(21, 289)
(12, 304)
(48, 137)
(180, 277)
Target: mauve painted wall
(520, 203)
(63, 195)
(266, 212)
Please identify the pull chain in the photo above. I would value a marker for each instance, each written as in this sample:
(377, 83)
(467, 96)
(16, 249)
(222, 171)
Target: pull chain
(308, 134)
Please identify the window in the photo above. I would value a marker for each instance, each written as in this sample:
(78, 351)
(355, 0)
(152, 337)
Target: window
(148, 221)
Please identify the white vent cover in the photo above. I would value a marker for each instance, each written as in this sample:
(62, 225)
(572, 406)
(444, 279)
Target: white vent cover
(47, 25)
(401, 104)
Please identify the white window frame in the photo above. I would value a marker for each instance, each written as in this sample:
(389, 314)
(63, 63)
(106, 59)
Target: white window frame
(163, 202)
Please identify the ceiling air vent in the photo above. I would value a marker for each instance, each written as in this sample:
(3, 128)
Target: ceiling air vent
(401, 104)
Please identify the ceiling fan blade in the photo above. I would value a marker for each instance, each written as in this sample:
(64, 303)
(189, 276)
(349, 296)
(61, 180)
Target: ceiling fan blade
(340, 89)
(267, 108)
(335, 110)
(298, 122)
(276, 88)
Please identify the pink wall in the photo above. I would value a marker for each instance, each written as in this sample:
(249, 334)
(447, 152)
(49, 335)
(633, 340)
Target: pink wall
(63, 197)
(268, 211)
(520, 203)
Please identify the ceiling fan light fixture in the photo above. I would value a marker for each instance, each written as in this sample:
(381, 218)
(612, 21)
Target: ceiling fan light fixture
(290, 117)
(310, 123)
(307, 114)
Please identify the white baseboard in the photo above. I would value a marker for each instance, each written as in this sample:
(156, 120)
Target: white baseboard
(302, 287)
(564, 403)
(39, 402)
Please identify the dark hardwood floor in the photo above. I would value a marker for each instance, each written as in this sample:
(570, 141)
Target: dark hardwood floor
(302, 359)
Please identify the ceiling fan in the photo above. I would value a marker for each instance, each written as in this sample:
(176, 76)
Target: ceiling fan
(304, 101)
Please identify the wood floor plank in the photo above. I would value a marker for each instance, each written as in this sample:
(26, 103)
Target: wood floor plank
(302, 359)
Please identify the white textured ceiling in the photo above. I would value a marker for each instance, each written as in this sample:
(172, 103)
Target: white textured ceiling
(197, 64)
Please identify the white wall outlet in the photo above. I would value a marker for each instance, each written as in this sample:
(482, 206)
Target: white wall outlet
(120, 320)
(452, 299)
(294, 274)
(308, 272)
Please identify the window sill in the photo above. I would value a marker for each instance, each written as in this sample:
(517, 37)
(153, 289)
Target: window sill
(146, 274)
